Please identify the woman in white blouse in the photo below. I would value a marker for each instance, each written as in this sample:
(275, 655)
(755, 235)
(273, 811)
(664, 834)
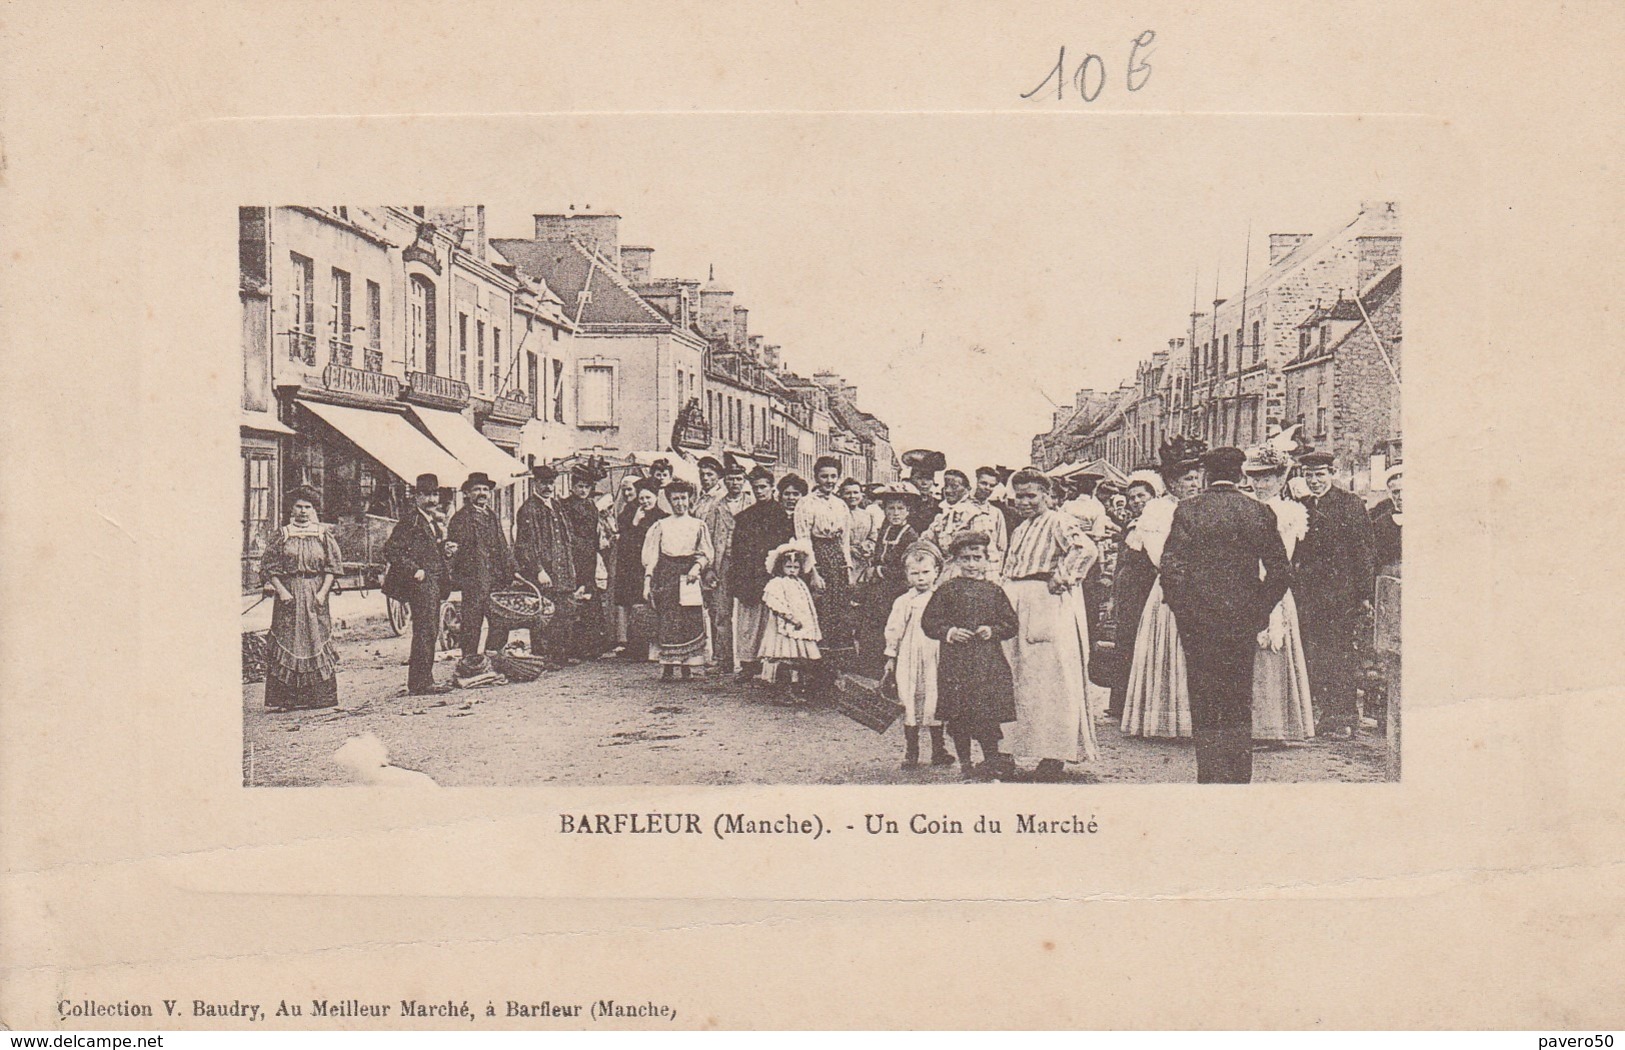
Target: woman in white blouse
(1282, 710)
(824, 521)
(675, 552)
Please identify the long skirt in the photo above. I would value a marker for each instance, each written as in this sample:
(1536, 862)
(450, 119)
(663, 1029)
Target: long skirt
(1158, 701)
(834, 605)
(1282, 708)
(749, 621)
(875, 597)
(300, 669)
(1049, 659)
(681, 633)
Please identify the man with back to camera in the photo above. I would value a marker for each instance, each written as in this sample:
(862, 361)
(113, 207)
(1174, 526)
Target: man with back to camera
(1211, 579)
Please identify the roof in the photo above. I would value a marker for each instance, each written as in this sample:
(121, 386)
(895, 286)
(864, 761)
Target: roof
(568, 268)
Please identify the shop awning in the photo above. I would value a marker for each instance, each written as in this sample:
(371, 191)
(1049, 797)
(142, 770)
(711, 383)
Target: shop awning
(476, 451)
(393, 441)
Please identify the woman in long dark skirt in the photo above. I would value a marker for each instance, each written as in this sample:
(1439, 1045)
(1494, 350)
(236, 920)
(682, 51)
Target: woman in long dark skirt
(889, 578)
(299, 568)
(825, 521)
(675, 552)
(630, 530)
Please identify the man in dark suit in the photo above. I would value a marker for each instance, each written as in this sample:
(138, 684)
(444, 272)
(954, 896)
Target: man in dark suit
(1335, 577)
(420, 577)
(482, 563)
(1211, 581)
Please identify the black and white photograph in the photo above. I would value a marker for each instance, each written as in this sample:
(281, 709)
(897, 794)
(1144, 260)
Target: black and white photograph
(654, 493)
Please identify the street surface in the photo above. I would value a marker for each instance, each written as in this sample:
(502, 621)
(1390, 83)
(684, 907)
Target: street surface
(612, 722)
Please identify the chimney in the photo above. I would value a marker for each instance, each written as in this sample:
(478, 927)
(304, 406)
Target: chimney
(770, 356)
(1086, 395)
(636, 263)
(755, 345)
(469, 218)
(1284, 244)
(741, 336)
(1380, 216)
(1377, 256)
(551, 228)
(716, 308)
(599, 233)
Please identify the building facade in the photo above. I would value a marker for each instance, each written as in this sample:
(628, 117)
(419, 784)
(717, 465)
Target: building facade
(1294, 347)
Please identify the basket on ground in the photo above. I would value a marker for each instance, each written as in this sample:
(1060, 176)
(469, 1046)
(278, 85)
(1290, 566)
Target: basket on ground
(524, 606)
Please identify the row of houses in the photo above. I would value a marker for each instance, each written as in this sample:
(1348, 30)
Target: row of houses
(383, 342)
(1313, 341)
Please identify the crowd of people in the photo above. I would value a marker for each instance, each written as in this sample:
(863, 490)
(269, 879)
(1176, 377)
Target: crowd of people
(1222, 596)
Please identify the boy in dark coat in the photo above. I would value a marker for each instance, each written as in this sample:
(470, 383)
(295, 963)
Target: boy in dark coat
(971, 616)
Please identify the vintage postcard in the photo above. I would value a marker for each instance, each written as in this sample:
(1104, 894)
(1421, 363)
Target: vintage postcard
(912, 507)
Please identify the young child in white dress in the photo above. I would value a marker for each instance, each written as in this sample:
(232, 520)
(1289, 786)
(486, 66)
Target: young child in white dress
(911, 659)
(790, 635)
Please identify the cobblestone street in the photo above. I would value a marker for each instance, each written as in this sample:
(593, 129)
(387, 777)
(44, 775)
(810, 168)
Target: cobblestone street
(612, 722)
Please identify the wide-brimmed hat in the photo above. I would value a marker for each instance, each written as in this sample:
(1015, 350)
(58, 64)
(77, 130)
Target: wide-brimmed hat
(796, 546)
(894, 490)
(479, 477)
(925, 459)
(1180, 453)
(1395, 471)
(427, 485)
(1266, 459)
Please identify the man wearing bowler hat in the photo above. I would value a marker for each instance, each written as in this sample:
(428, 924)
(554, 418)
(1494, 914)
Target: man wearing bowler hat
(420, 577)
(1335, 580)
(1211, 579)
(924, 465)
(483, 562)
(542, 545)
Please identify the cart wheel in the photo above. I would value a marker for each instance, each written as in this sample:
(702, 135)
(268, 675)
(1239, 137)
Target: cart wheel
(451, 620)
(400, 614)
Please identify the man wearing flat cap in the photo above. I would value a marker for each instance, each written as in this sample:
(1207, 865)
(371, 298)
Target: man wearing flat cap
(420, 577)
(544, 548)
(1335, 579)
(1223, 569)
(481, 563)
(581, 515)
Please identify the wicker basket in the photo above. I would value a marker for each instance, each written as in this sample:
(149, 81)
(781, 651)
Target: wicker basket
(525, 607)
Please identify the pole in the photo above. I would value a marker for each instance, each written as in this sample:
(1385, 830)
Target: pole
(1241, 335)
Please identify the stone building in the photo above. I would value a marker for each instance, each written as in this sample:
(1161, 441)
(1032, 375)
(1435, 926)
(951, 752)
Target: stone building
(365, 331)
(637, 366)
(1238, 348)
(1343, 386)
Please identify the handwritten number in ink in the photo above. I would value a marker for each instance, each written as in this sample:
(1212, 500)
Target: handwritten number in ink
(1138, 65)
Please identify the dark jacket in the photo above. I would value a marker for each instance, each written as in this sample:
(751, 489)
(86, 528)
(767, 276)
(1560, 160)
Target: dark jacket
(541, 541)
(758, 529)
(1335, 561)
(415, 544)
(1386, 535)
(1210, 564)
(483, 562)
(582, 517)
